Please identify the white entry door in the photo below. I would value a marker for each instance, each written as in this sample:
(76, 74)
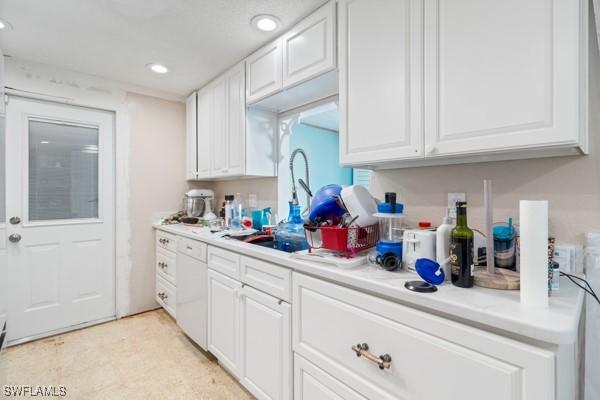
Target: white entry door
(59, 217)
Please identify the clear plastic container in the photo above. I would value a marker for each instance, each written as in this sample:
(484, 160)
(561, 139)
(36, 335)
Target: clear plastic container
(390, 226)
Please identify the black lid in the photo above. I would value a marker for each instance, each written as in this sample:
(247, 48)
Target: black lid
(229, 197)
(390, 197)
(461, 204)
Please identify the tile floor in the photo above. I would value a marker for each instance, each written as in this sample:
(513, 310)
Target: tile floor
(144, 357)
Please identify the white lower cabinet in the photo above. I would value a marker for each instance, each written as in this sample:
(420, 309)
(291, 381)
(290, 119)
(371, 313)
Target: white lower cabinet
(223, 320)
(166, 267)
(429, 357)
(266, 350)
(312, 383)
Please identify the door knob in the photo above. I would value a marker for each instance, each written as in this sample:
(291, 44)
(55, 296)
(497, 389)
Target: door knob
(15, 220)
(14, 238)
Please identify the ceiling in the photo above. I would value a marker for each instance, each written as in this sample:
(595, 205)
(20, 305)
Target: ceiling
(115, 39)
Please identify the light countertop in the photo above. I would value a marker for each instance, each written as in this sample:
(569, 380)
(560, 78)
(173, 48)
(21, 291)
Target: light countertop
(496, 309)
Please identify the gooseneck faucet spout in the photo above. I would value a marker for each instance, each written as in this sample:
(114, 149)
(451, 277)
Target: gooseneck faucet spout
(306, 183)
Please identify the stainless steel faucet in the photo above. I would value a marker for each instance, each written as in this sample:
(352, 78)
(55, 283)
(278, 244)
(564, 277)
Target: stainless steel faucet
(305, 184)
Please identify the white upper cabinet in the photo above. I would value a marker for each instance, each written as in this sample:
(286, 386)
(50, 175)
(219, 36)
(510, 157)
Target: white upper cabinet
(380, 63)
(309, 49)
(223, 139)
(218, 127)
(236, 119)
(263, 72)
(425, 82)
(203, 138)
(501, 75)
(306, 51)
(190, 135)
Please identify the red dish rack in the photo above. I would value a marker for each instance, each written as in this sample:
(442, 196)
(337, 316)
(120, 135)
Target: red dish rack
(346, 242)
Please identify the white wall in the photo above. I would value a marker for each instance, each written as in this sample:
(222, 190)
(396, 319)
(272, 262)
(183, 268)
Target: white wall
(157, 183)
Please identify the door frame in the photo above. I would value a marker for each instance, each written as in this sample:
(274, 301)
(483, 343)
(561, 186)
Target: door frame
(122, 232)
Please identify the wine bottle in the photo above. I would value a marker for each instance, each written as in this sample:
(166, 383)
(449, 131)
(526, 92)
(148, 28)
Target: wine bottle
(461, 249)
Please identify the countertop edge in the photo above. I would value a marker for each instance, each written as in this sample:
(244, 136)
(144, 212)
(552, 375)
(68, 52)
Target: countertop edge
(561, 335)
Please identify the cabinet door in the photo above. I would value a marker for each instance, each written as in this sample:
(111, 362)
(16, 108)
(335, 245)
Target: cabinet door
(380, 63)
(191, 137)
(263, 72)
(501, 75)
(309, 49)
(204, 140)
(223, 320)
(312, 383)
(236, 118)
(266, 362)
(218, 127)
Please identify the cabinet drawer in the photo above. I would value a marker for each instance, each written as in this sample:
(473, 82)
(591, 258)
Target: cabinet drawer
(166, 295)
(311, 382)
(192, 248)
(166, 266)
(465, 363)
(225, 262)
(166, 241)
(270, 278)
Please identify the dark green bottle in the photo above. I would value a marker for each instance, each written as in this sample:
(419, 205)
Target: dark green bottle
(461, 249)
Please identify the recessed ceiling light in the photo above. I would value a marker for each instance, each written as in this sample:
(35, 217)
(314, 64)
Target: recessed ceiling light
(158, 68)
(5, 25)
(265, 23)
(44, 142)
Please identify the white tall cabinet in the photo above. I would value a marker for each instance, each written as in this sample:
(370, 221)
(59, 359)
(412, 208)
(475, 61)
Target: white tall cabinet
(426, 82)
(191, 147)
(203, 121)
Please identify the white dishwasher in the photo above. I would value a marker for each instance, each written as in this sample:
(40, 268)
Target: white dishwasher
(192, 290)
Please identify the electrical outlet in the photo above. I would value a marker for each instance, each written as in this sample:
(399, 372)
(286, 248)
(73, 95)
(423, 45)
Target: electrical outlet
(252, 200)
(453, 198)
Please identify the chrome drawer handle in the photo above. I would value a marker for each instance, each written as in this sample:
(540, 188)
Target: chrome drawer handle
(362, 350)
(162, 295)
(188, 247)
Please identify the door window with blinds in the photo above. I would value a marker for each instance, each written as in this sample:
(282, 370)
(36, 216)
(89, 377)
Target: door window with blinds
(63, 171)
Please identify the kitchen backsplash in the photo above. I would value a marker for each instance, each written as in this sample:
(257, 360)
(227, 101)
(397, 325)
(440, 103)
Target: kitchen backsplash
(265, 190)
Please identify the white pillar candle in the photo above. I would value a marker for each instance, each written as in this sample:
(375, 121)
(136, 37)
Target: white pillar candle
(533, 225)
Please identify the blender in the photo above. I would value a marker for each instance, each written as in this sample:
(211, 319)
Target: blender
(389, 247)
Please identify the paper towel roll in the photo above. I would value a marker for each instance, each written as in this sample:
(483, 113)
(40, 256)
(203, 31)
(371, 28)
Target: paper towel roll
(533, 225)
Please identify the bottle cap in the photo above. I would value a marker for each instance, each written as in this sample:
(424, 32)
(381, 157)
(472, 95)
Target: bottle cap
(228, 197)
(424, 224)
